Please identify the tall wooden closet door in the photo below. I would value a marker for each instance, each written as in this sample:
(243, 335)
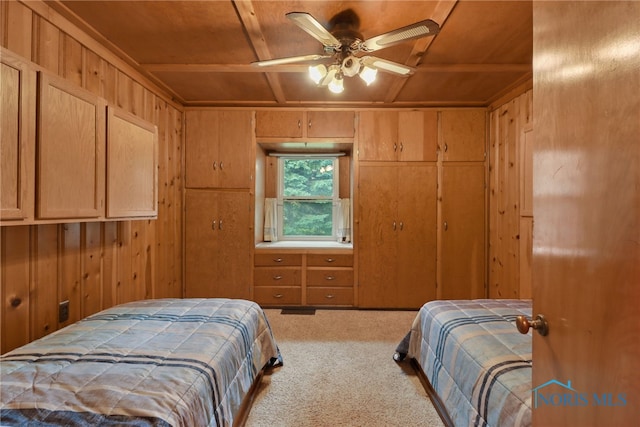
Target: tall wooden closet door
(416, 253)
(233, 254)
(234, 163)
(201, 243)
(201, 148)
(462, 261)
(376, 234)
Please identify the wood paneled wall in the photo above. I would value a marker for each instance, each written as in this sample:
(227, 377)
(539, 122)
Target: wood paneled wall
(92, 265)
(510, 220)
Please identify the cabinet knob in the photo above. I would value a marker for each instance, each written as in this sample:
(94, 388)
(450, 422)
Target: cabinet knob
(401, 147)
(445, 226)
(213, 224)
(214, 166)
(329, 278)
(394, 226)
(277, 260)
(221, 165)
(329, 259)
(277, 277)
(401, 225)
(329, 296)
(309, 124)
(446, 148)
(220, 225)
(299, 124)
(278, 296)
(395, 147)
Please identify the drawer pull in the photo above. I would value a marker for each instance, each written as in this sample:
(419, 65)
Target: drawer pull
(329, 296)
(277, 260)
(277, 277)
(278, 296)
(329, 278)
(330, 259)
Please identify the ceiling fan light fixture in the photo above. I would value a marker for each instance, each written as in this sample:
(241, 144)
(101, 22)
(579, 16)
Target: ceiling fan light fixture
(336, 85)
(317, 72)
(368, 74)
(350, 66)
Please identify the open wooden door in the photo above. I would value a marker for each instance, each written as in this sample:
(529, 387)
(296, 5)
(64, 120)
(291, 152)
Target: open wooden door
(586, 237)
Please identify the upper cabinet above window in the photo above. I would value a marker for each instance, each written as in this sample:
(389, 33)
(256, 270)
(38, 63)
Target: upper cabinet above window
(304, 124)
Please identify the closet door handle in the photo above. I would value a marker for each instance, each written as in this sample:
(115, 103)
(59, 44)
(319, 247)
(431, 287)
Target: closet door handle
(401, 147)
(299, 123)
(395, 147)
(446, 226)
(309, 124)
(401, 225)
(213, 225)
(220, 225)
(214, 166)
(446, 148)
(221, 165)
(394, 226)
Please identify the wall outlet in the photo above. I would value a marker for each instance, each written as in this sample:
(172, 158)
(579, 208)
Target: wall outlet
(63, 311)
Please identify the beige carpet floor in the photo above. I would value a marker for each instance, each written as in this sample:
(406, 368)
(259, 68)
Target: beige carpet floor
(339, 371)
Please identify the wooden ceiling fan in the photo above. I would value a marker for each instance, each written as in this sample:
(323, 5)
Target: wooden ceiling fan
(343, 45)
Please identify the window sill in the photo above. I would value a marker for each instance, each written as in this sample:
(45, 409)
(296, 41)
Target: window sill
(304, 244)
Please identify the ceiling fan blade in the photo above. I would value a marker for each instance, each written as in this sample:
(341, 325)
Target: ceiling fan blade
(387, 66)
(289, 60)
(410, 32)
(309, 24)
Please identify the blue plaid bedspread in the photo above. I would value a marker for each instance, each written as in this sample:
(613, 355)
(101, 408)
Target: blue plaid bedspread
(179, 362)
(476, 360)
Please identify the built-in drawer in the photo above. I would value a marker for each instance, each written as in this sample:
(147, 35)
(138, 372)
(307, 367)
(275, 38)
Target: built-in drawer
(277, 295)
(277, 276)
(330, 277)
(330, 296)
(330, 260)
(275, 259)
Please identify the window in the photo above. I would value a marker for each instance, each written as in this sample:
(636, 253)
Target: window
(307, 197)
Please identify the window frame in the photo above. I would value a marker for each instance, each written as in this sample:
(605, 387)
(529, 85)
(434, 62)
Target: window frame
(334, 198)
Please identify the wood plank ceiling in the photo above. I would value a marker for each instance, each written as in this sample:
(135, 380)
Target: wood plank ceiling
(201, 51)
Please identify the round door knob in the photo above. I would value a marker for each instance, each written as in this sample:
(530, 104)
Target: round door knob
(539, 324)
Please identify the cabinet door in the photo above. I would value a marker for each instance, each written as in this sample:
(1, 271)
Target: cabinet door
(201, 243)
(463, 134)
(417, 232)
(218, 260)
(234, 164)
(71, 151)
(417, 136)
(132, 166)
(201, 148)
(377, 234)
(234, 256)
(17, 143)
(275, 124)
(377, 135)
(462, 261)
(330, 124)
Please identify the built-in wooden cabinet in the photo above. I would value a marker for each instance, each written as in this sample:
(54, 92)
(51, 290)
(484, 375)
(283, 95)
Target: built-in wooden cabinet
(309, 277)
(219, 147)
(132, 166)
(70, 151)
(398, 135)
(397, 234)
(463, 135)
(17, 140)
(218, 244)
(300, 124)
(462, 259)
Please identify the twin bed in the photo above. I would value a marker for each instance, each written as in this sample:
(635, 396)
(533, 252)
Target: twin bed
(179, 362)
(196, 362)
(475, 364)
